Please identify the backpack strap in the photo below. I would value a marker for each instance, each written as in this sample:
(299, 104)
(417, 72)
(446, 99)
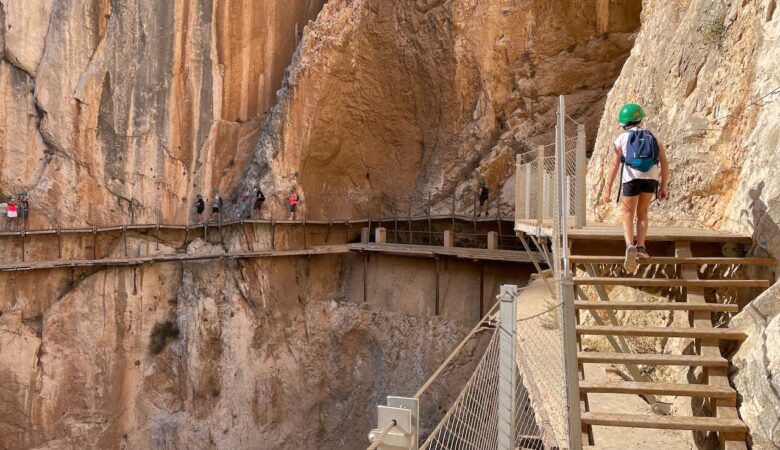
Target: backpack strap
(620, 182)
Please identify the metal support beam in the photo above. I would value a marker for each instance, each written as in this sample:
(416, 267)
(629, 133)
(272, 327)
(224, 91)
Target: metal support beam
(521, 236)
(507, 367)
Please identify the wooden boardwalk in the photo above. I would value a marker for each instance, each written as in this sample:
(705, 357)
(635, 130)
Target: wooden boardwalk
(599, 231)
(431, 251)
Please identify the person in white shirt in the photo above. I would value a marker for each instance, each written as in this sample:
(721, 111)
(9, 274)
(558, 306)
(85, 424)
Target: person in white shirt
(638, 187)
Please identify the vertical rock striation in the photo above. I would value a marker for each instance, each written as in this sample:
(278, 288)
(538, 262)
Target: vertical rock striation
(118, 111)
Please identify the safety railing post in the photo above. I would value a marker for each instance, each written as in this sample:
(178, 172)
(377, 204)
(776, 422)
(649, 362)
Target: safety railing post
(580, 204)
(571, 367)
(528, 191)
(507, 367)
(541, 183)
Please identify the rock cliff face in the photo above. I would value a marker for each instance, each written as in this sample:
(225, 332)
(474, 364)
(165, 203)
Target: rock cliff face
(122, 110)
(209, 355)
(707, 74)
(713, 96)
(391, 100)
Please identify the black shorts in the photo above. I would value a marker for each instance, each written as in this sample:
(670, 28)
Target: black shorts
(639, 186)
(293, 208)
(482, 201)
(215, 209)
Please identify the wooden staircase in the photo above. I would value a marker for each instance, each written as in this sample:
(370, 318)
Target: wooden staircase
(689, 289)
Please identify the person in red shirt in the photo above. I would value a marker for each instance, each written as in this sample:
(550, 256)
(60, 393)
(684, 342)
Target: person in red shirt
(294, 201)
(12, 212)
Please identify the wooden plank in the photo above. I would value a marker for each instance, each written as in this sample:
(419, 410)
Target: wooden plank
(657, 306)
(696, 333)
(664, 422)
(581, 259)
(640, 388)
(716, 376)
(651, 359)
(667, 282)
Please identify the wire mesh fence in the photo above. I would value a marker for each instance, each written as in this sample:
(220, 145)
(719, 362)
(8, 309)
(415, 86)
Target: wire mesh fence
(537, 180)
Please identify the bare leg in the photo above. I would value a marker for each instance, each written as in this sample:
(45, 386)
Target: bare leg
(629, 211)
(642, 221)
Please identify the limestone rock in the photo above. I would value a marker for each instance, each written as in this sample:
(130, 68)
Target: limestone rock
(758, 368)
(706, 73)
(137, 105)
(388, 101)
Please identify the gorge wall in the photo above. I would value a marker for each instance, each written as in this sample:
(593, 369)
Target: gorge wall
(119, 111)
(707, 74)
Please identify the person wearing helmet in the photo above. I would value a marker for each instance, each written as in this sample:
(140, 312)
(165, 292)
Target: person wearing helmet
(484, 194)
(294, 200)
(644, 168)
(24, 208)
(200, 206)
(216, 206)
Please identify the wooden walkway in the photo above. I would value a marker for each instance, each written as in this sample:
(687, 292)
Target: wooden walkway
(598, 232)
(171, 257)
(430, 251)
(414, 251)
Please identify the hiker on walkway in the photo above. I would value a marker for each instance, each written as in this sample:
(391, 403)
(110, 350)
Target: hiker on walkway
(294, 201)
(259, 200)
(200, 206)
(12, 212)
(484, 194)
(216, 206)
(644, 169)
(24, 208)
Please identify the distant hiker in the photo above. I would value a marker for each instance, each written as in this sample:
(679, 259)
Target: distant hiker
(24, 208)
(200, 206)
(294, 200)
(12, 212)
(216, 205)
(484, 194)
(3, 212)
(259, 200)
(642, 162)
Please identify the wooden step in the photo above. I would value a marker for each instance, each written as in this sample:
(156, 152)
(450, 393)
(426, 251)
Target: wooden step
(667, 282)
(585, 259)
(664, 422)
(658, 306)
(673, 332)
(640, 388)
(651, 359)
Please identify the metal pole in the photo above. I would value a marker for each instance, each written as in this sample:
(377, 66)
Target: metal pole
(580, 188)
(541, 183)
(507, 367)
(527, 191)
(22, 233)
(567, 290)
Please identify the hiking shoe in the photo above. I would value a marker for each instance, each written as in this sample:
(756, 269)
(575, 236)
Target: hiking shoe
(630, 262)
(641, 252)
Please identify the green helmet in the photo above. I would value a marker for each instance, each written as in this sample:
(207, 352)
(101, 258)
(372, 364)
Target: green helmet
(482, 182)
(631, 112)
(199, 196)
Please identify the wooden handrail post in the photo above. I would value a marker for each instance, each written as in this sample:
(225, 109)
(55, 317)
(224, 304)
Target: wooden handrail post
(23, 239)
(430, 231)
(124, 238)
(59, 243)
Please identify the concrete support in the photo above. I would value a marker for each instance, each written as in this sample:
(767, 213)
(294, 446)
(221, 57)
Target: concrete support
(492, 240)
(365, 235)
(448, 239)
(380, 235)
